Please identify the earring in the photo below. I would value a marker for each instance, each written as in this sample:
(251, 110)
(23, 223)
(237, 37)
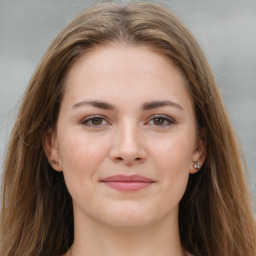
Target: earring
(55, 162)
(197, 165)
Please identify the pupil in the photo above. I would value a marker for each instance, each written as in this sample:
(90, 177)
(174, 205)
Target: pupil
(158, 121)
(97, 121)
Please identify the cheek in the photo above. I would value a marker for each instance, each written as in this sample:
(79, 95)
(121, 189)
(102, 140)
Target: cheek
(174, 149)
(172, 158)
(79, 148)
(80, 155)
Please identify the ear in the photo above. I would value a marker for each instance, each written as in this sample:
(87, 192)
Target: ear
(199, 153)
(50, 146)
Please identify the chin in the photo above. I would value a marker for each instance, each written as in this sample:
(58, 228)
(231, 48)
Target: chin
(128, 224)
(129, 216)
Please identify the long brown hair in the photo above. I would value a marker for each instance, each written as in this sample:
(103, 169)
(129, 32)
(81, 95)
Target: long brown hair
(215, 216)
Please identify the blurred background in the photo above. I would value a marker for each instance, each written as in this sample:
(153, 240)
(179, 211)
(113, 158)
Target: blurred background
(225, 29)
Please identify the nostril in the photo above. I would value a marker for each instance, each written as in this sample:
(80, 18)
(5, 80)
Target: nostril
(120, 159)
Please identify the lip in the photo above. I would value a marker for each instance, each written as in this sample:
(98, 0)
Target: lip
(127, 182)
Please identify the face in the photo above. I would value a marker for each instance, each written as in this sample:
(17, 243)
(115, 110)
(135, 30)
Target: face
(126, 137)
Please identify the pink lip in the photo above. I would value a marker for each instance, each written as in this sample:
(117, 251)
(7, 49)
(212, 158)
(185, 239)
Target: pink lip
(127, 183)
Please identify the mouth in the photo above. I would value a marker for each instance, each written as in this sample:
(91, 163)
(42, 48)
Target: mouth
(127, 183)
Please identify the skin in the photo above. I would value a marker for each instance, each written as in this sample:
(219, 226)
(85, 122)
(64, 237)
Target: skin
(160, 143)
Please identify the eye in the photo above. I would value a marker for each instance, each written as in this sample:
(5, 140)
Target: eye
(160, 120)
(94, 121)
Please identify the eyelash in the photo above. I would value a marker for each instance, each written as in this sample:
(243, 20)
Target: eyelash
(88, 121)
(167, 120)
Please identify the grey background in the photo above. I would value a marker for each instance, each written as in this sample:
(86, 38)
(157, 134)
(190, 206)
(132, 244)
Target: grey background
(226, 30)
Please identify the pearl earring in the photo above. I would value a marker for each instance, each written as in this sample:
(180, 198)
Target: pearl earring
(55, 162)
(196, 165)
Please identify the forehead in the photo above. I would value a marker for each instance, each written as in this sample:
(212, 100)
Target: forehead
(124, 69)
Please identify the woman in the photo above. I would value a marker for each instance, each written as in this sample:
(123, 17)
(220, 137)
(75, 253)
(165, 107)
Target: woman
(122, 146)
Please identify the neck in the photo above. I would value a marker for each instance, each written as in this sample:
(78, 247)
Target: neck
(96, 239)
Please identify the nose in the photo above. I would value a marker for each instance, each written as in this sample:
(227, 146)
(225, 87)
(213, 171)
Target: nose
(128, 146)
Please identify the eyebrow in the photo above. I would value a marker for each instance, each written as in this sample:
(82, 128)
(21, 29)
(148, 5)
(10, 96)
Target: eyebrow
(96, 104)
(146, 106)
(157, 104)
